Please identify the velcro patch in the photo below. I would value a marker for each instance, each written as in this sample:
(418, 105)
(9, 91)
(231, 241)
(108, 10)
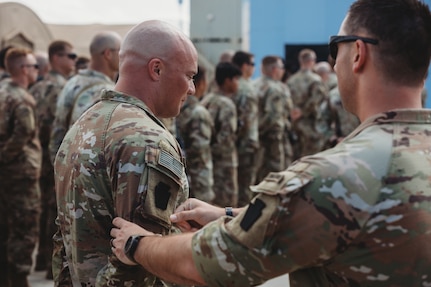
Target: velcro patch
(162, 195)
(254, 211)
(168, 161)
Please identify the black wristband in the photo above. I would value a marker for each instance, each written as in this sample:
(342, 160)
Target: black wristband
(131, 246)
(229, 211)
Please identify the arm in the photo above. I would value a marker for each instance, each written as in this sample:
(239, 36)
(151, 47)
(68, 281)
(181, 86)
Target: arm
(23, 129)
(174, 253)
(60, 124)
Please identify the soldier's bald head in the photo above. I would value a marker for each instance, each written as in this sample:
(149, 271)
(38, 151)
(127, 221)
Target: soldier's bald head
(104, 40)
(153, 39)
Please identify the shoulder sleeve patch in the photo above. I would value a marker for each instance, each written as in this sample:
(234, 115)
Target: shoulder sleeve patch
(285, 181)
(168, 161)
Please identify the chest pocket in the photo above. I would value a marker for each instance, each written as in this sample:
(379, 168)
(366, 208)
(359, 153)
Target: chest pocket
(164, 186)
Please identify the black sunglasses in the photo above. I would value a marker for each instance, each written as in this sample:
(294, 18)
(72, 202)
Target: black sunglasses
(334, 40)
(71, 56)
(36, 66)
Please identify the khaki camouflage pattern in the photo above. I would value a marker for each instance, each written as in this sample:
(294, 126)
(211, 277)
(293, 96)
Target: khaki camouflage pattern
(345, 122)
(116, 160)
(274, 101)
(20, 161)
(46, 93)
(195, 128)
(170, 124)
(80, 92)
(223, 148)
(310, 95)
(355, 215)
(247, 141)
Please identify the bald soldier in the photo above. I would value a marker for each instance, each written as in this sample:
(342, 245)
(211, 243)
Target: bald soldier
(118, 159)
(83, 89)
(358, 214)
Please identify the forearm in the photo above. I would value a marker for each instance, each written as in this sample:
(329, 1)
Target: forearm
(169, 258)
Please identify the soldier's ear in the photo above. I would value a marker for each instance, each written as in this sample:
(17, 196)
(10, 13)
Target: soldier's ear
(155, 68)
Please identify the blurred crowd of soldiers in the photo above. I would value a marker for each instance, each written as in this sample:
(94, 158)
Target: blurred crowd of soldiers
(234, 131)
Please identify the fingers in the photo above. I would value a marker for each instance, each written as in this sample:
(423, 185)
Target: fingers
(119, 222)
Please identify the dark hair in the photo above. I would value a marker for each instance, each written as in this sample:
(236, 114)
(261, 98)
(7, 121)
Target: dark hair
(240, 58)
(270, 60)
(403, 29)
(226, 70)
(200, 75)
(56, 47)
(3, 56)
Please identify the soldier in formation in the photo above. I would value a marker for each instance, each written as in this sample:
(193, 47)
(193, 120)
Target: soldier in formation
(20, 162)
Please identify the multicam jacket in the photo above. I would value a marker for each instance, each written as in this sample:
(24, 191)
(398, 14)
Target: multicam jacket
(358, 214)
(79, 93)
(117, 160)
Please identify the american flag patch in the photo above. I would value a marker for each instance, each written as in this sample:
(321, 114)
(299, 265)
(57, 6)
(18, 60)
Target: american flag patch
(168, 161)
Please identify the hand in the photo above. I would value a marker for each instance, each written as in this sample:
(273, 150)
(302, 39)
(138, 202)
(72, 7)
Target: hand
(192, 214)
(120, 233)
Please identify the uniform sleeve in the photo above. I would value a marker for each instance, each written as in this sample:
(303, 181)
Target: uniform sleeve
(24, 127)
(273, 120)
(60, 125)
(60, 267)
(318, 95)
(289, 225)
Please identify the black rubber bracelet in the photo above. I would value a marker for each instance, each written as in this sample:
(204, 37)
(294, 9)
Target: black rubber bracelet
(228, 210)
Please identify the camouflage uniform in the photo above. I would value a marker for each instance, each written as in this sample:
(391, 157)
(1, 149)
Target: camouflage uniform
(20, 161)
(273, 97)
(247, 141)
(195, 127)
(80, 92)
(355, 215)
(46, 93)
(113, 165)
(345, 122)
(170, 124)
(310, 95)
(223, 148)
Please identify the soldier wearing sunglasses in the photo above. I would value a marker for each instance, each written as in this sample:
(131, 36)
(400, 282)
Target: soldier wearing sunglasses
(20, 161)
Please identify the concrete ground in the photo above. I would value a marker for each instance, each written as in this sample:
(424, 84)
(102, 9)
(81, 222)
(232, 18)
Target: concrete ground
(37, 279)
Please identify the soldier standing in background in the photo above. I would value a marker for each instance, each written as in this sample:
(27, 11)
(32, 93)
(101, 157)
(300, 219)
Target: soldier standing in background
(308, 94)
(43, 63)
(274, 108)
(83, 90)
(223, 147)
(195, 128)
(247, 134)
(20, 161)
(62, 62)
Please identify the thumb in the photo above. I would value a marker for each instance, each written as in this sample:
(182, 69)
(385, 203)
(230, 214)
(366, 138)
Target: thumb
(181, 216)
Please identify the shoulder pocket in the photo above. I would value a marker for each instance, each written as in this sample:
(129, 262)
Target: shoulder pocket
(164, 181)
